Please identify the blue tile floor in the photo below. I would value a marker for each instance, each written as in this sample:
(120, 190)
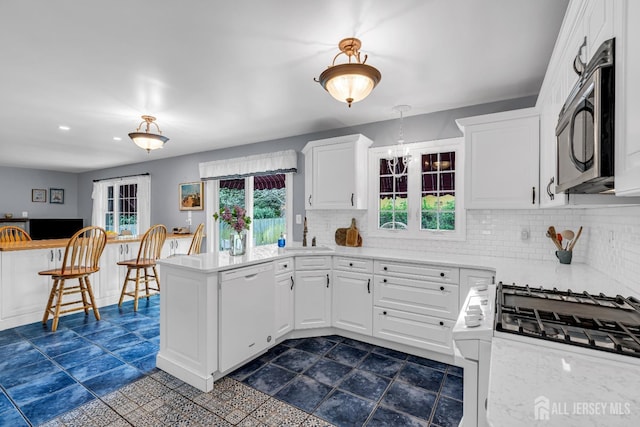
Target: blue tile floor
(103, 373)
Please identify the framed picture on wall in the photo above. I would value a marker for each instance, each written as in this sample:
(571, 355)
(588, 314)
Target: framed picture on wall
(56, 195)
(39, 195)
(191, 196)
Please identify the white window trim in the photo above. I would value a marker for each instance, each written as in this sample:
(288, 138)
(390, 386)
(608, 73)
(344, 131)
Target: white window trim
(212, 204)
(414, 191)
(99, 197)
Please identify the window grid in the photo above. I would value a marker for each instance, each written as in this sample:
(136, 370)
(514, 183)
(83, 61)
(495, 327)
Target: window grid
(438, 196)
(393, 195)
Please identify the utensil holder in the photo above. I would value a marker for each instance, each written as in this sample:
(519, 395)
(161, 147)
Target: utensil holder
(564, 256)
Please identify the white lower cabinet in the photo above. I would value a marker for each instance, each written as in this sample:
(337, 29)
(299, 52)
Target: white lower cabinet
(416, 330)
(352, 306)
(246, 316)
(24, 292)
(416, 304)
(110, 278)
(284, 297)
(312, 292)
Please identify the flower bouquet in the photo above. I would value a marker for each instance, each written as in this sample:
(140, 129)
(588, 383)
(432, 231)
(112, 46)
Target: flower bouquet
(236, 219)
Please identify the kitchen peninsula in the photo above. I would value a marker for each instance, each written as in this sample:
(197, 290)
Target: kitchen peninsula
(264, 297)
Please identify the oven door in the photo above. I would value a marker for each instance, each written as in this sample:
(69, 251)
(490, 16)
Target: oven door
(578, 137)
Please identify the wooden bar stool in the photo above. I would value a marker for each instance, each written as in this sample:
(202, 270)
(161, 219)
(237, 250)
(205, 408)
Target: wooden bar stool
(10, 233)
(81, 258)
(196, 242)
(150, 248)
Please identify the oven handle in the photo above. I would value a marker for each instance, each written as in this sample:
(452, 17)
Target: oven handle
(587, 106)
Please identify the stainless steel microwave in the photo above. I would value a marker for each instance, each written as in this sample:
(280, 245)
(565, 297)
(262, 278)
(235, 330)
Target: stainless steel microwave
(585, 130)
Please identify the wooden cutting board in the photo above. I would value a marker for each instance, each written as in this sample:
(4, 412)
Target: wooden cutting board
(342, 233)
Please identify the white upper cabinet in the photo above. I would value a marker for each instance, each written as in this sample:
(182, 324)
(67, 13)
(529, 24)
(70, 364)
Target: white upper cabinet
(336, 173)
(591, 22)
(502, 158)
(627, 127)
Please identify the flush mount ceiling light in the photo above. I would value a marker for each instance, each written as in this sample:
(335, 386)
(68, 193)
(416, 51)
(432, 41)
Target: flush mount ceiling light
(353, 81)
(147, 140)
(398, 158)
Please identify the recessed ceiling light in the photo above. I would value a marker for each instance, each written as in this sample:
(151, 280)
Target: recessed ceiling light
(117, 138)
(63, 127)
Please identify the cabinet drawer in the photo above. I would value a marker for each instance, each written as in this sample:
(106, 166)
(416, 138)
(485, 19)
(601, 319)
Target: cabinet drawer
(284, 265)
(418, 271)
(313, 262)
(353, 264)
(412, 329)
(416, 296)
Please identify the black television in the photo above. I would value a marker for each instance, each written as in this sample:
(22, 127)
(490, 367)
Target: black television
(54, 228)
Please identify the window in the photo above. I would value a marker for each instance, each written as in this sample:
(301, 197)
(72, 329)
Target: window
(122, 205)
(423, 200)
(266, 199)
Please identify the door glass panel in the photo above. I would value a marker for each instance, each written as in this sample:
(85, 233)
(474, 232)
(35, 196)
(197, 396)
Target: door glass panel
(269, 202)
(232, 193)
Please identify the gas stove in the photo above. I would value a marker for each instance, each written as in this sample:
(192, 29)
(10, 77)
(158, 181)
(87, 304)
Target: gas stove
(598, 322)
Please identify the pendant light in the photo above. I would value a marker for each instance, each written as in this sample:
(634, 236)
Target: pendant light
(399, 155)
(147, 140)
(353, 81)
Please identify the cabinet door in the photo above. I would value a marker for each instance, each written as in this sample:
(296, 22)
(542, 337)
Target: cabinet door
(284, 319)
(502, 161)
(312, 299)
(246, 313)
(416, 330)
(352, 302)
(23, 290)
(598, 24)
(333, 177)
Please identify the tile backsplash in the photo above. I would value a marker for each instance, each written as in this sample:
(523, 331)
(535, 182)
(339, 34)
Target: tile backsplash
(610, 240)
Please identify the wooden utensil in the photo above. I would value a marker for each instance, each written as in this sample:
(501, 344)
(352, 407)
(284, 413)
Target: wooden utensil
(554, 237)
(341, 236)
(573, 242)
(352, 234)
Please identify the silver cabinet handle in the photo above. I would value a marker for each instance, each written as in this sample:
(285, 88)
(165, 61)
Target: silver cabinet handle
(549, 193)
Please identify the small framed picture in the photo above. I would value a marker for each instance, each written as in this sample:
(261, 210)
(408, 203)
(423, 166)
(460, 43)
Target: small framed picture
(191, 196)
(56, 195)
(39, 195)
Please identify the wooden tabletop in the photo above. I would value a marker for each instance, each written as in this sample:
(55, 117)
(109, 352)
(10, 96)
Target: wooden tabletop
(61, 243)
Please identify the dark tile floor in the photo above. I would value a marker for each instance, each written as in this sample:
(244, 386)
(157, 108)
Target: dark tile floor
(103, 374)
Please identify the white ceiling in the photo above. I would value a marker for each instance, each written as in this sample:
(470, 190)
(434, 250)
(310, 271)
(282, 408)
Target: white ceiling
(224, 73)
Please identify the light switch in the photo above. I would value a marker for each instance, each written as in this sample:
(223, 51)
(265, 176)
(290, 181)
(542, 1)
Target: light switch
(298, 219)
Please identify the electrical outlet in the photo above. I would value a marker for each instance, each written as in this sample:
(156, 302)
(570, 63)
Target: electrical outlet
(524, 234)
(298, 219)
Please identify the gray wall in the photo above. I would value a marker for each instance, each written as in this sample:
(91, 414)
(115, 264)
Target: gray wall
(15, 193)
(166, 174)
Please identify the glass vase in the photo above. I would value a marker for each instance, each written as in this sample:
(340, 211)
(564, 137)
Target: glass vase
(238, 244)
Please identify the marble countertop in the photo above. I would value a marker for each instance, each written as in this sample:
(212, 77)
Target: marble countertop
(534, 379)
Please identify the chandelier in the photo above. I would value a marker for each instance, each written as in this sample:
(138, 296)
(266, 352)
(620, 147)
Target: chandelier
(398, 157)
(147, 140)
(353, 81)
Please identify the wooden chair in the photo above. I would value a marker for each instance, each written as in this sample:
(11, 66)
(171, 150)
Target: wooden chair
(196, 242)
(10, 233)
(81, 258)
(150, 248)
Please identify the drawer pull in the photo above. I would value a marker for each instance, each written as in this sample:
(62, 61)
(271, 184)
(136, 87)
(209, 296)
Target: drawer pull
(292, 282)
(350, 264)
(384, 280)
(285, 266)
(384, 312)
(441, 323)
(441, 274)
(384, 268)
(442, 288)
(327, 280)
(369, 286)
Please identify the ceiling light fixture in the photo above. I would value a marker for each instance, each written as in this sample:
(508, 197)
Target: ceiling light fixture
(147, 140)
(398, 157)
(63, 127)
(353, 81)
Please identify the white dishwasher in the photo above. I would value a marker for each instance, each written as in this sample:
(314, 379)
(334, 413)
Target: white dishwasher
(247, 317)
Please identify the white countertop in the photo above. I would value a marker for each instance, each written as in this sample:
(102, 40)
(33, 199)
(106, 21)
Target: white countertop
(591, 388)
(549, 274)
